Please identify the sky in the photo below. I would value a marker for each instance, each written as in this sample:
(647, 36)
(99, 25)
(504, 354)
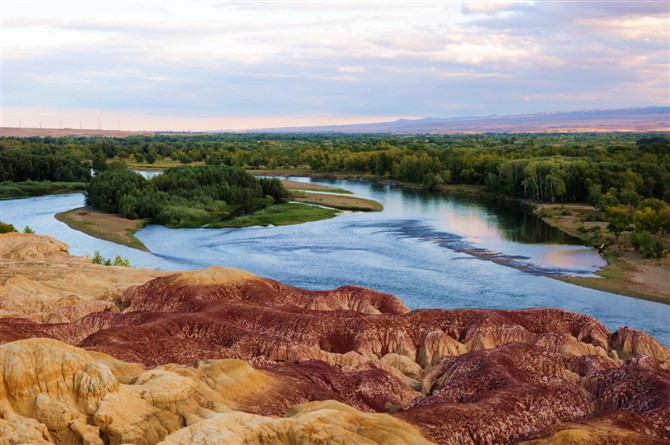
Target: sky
(225, 65)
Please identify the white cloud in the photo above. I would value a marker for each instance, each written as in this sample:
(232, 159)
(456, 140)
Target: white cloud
(352, 69)
(211, 59)
(487, 7)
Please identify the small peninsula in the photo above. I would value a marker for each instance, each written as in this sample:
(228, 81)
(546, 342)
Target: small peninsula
(120, 202)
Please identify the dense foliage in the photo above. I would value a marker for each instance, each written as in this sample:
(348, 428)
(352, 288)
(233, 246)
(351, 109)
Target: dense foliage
(181, 196)
(550, 168)
(32, 159)
(626, 176)
(6, 228)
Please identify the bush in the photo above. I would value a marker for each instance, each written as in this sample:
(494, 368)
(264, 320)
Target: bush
(123, 262)
(647, 245)
(27, 229)
(6, 228)
(97, 258)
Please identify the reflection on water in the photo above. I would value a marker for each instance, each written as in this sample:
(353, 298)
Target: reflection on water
(568, 258)
(432, 251)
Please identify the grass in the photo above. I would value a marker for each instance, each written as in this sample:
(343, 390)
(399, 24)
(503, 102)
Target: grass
(614, 279)
(36, 188)
(104, 226)
(339, 202)
(279, 215)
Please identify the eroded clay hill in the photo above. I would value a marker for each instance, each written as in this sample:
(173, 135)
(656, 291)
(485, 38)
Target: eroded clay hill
(221, 356)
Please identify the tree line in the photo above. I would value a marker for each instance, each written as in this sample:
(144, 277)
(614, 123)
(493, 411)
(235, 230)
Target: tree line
(610, 171)
(546, 168)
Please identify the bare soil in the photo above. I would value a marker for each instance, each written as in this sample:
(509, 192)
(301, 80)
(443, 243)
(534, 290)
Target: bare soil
(295, 185)
(339, 202)
(110, 227)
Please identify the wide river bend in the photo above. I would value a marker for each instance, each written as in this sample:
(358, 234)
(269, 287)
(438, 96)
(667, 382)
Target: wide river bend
(432, 251)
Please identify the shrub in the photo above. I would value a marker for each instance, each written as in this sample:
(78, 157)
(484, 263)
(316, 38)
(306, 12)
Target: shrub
(123, 262)
(647, 245)
(27, 229)
(6, 228)
(97, 258)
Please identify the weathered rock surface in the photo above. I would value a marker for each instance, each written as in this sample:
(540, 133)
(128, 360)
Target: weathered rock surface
(41, 282)
(224, 356)
(51, 392)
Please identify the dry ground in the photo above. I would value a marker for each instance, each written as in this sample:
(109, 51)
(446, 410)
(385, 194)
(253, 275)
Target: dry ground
(339, 202)
(105, 226)
(295, 185)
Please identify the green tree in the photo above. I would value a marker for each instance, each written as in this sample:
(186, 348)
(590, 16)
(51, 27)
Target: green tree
(618, 220)
(647, 220)
(664, 219)
(273, 187)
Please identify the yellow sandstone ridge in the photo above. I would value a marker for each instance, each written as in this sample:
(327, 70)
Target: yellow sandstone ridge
(40, 281)
(51, 392)
(214, 275)
(327, 422)
(22, 247)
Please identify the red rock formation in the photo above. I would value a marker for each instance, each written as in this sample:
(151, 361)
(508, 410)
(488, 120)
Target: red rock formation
(485, 376)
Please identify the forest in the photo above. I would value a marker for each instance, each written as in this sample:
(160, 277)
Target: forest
(626, 176)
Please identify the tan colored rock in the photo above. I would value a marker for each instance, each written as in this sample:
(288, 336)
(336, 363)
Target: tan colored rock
(18, 430)
(21, 247)
(215, 275)
(315, 423)
(627, 341)
(62, 394)
(41, 282)
(403, 364)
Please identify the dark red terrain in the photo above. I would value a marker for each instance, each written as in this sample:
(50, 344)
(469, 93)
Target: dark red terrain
(460, 376)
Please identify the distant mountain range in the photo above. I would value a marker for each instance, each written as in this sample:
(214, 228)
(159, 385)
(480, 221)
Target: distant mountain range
(641, 119)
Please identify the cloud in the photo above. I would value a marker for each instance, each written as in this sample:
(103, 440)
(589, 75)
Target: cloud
(199, 60)
(487, 7)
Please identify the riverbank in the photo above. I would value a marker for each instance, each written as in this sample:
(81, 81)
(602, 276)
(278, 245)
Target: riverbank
(10, 190)
(105, 226)
(119, 230)
(627, 273)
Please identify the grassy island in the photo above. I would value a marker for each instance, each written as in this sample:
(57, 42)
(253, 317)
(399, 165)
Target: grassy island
(213, 196)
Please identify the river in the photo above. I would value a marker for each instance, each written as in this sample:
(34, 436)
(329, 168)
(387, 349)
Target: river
(432, 251)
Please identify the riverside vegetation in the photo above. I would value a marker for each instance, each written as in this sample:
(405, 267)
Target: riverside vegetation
(623, 180)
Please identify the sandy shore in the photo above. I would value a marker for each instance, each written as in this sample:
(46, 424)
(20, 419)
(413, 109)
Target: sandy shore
(109, 227)
(627, 272)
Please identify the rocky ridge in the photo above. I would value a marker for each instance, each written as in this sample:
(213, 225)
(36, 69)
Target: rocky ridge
(224, 356)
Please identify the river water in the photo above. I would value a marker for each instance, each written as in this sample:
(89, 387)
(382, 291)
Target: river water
(432, 251)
